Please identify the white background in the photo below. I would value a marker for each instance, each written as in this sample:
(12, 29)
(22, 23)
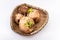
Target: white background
(50, 32)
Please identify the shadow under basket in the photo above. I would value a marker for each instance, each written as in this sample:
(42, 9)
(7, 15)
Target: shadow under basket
(43, 21)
